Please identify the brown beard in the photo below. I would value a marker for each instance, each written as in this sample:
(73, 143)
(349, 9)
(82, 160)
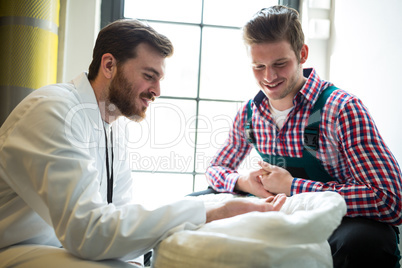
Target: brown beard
(123, 97)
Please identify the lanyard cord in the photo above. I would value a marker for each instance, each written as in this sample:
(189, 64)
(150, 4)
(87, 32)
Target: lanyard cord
(109, 173)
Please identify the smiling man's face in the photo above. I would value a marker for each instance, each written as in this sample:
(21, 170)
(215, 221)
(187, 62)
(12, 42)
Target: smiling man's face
(137, 82)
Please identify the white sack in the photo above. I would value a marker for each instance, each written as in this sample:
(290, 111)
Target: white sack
(296, 236)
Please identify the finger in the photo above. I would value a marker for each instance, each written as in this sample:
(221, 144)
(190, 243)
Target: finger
(278, 196)
(265, 166)
(273, 198)
(259, 177)
(263, 172)
(264, 194)
(279, 202)
(259, 172)
(268, 196)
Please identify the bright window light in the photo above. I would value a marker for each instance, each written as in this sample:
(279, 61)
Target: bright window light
(207, 79)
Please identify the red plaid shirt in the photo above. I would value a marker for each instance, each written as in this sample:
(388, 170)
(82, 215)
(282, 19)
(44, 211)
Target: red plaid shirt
(351, 149)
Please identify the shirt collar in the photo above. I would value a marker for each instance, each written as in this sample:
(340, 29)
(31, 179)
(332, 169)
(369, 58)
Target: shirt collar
(312, 88)
(309, 91)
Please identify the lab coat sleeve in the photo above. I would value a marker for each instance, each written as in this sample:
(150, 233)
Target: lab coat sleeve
(50, 167)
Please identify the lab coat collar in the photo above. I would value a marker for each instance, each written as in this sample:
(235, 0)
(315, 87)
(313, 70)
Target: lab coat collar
(88, 100)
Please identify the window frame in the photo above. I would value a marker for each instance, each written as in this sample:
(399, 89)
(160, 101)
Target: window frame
(112, 10)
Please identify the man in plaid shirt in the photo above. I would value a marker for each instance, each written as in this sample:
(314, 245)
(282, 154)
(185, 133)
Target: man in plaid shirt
(306, 148)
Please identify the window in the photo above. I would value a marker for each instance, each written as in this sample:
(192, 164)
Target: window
(206, 81)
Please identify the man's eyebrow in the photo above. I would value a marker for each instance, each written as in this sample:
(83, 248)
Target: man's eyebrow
(153, 70)
(276, 60)
(282, 59)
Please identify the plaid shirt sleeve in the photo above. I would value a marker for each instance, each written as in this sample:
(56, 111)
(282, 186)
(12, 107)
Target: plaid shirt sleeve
(370, 179)
(222, 174)
(367, 174)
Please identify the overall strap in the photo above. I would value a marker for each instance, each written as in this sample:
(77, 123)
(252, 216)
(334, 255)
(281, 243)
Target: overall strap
(313, 125)
(312, 130)
(249, 127)
(307, 167)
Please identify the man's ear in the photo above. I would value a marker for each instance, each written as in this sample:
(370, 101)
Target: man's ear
(108, 65)
(303, 54)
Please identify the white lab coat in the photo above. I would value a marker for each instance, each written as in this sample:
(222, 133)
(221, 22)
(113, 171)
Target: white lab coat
(53, 181)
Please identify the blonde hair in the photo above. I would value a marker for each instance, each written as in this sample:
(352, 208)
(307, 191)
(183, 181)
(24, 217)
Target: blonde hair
(273, 24)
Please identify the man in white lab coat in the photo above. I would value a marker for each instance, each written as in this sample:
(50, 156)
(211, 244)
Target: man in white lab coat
(65, 184)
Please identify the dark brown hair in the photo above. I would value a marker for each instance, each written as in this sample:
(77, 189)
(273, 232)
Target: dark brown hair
(121, 38)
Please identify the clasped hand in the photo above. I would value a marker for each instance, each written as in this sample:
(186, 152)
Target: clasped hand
(275, 179)
(265, 182)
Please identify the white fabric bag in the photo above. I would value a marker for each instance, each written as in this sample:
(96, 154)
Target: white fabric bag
(296, 236)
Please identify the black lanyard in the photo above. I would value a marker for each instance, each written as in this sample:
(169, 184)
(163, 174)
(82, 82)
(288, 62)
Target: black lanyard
(109, 172)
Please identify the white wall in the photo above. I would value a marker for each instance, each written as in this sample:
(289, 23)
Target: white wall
(79, 27)
(314, 15)
(365, 59)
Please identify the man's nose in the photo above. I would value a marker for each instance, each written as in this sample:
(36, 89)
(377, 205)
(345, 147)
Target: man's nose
(156, 89)
(270, 75)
